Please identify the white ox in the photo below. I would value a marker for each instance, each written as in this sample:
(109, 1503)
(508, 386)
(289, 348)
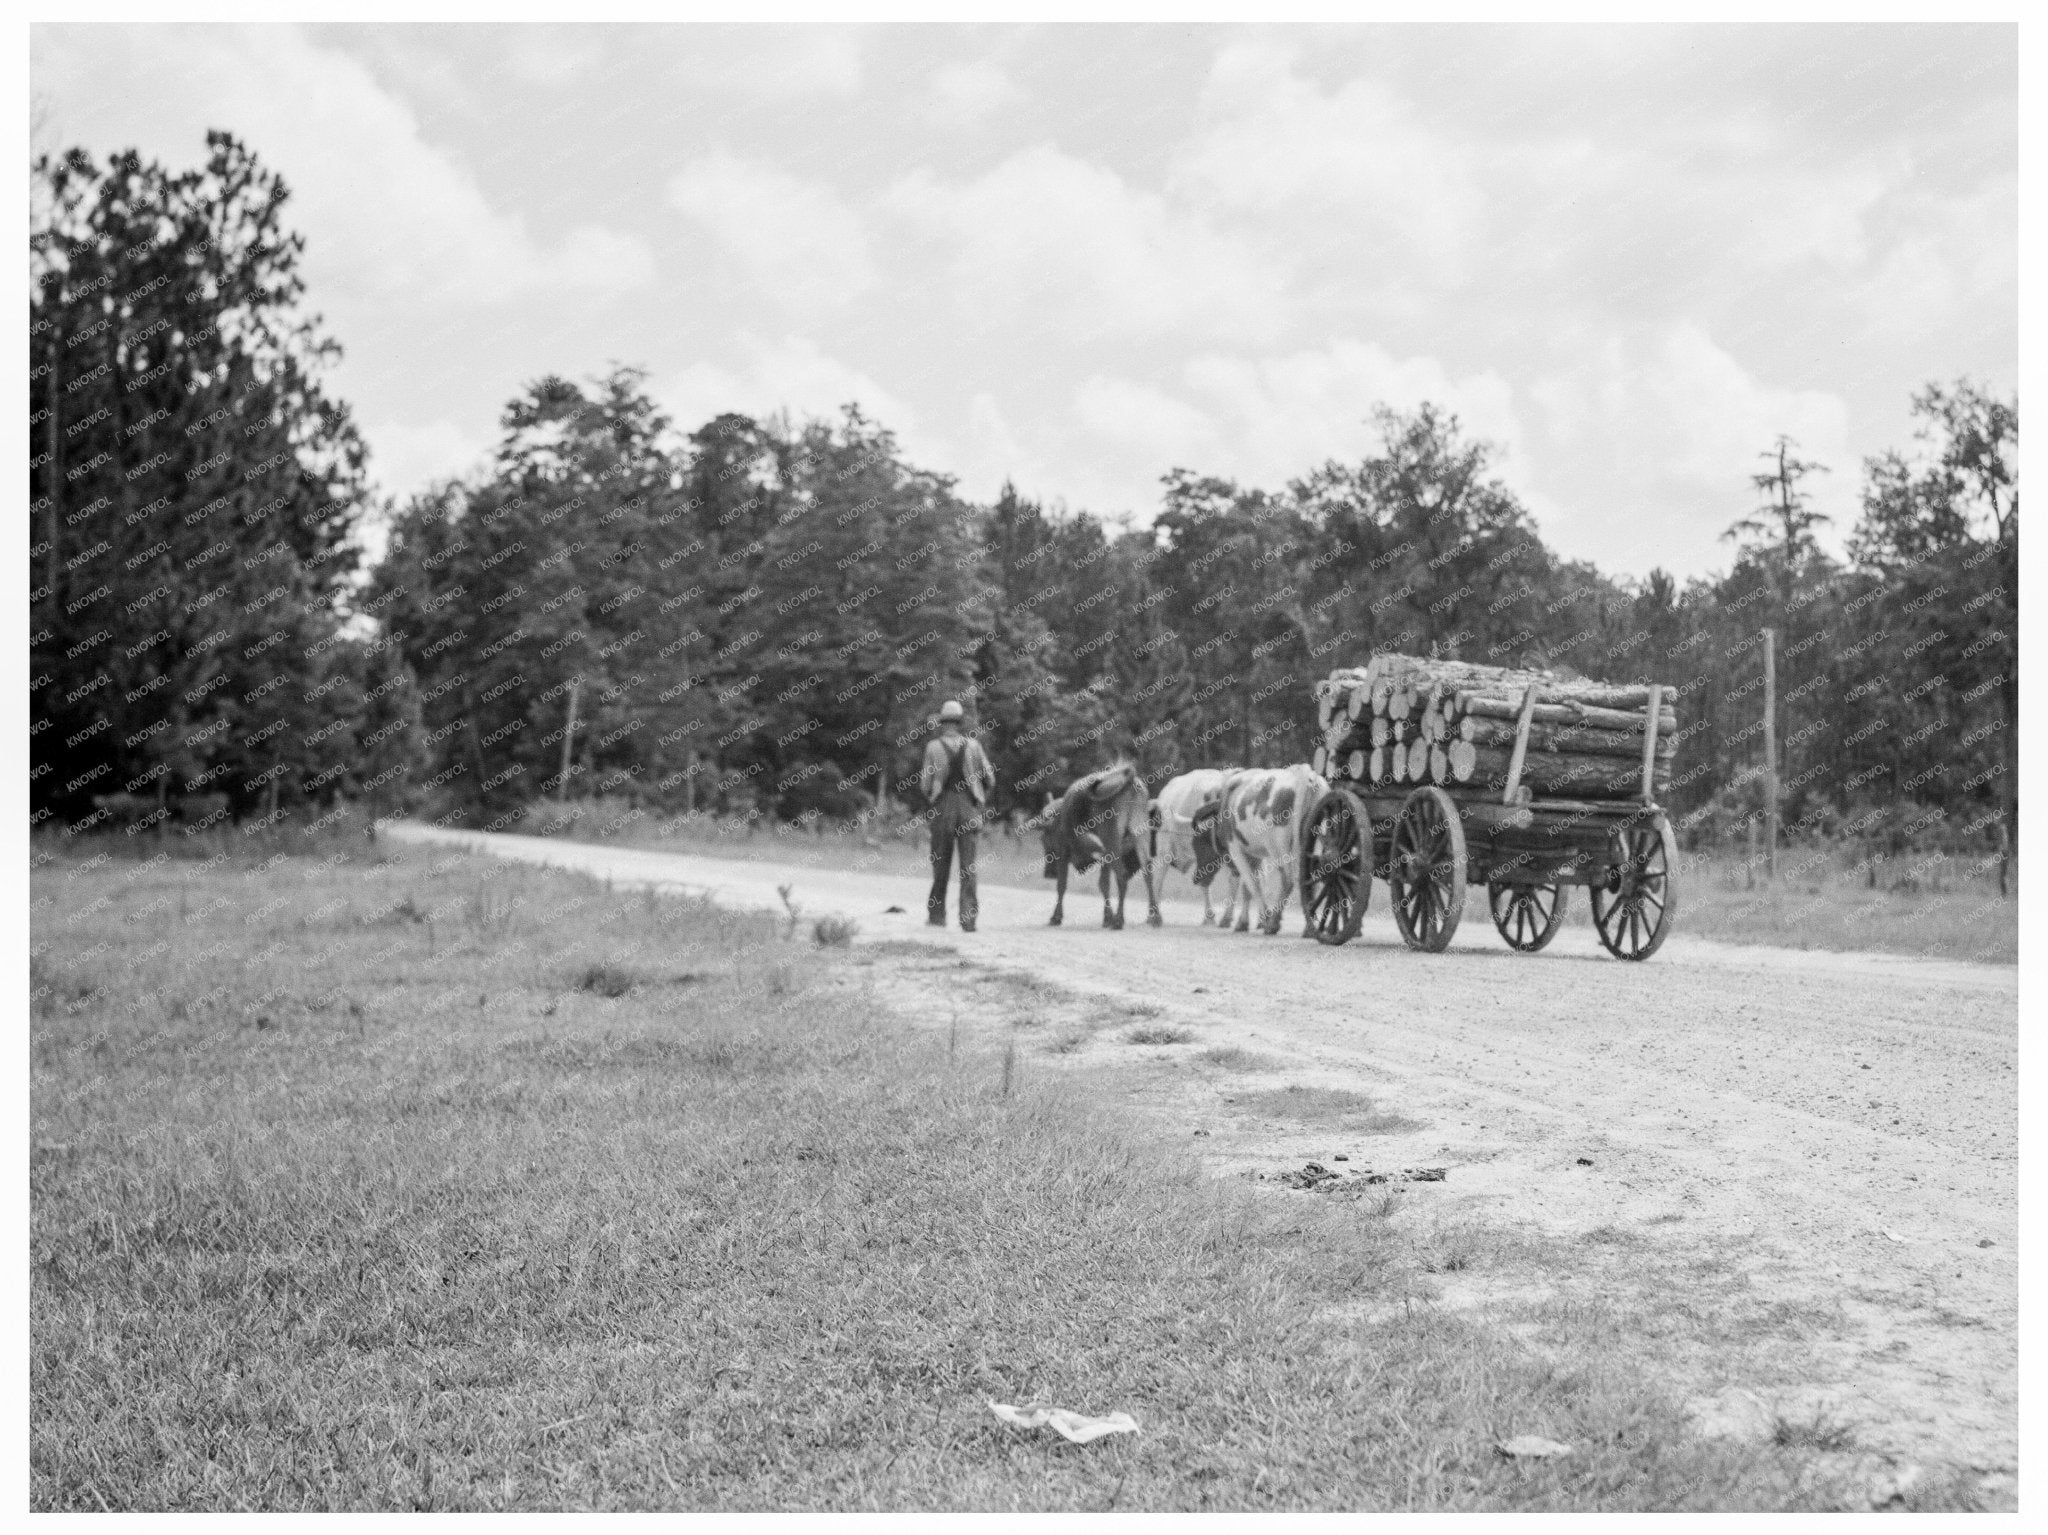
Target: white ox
(1264, 810)
(1187, 834)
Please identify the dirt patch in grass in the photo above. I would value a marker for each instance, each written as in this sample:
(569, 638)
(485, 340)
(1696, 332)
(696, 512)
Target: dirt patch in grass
(1159, 1034)
(1819, 1431)
(606, 980)
(1331, 1107)
(1237, 1058)
(908, 948)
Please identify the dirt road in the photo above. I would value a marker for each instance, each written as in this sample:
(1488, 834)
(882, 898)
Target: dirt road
(1795, 1170)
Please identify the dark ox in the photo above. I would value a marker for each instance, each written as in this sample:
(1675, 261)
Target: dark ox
(1100, 819)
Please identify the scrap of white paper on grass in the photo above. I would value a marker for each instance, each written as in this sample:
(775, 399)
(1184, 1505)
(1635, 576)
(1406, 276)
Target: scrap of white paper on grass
(1077, 1427)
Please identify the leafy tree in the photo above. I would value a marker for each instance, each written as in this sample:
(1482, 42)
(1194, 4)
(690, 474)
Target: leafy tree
(1031, 720)
(1938, 542)
(1421, 547)
(564, 573)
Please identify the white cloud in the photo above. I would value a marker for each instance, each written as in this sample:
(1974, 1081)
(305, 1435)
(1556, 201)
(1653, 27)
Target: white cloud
(1292, 412)
(788, 63)
(1045, 234)
(807, 60)
(991, 452)
(795, 239)
(1652, 439)
(551, 55)
(1353, 170)
(792, 374)
(1164, 429)
(1952, 252)
(1268, 420)
(407, 457)
(965, 94)
(385, 213)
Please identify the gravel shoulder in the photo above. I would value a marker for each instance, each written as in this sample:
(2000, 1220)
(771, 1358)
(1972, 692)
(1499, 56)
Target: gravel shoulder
(1796, 1170)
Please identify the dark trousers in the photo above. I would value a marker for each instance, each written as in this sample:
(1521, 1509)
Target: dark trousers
(956, 823)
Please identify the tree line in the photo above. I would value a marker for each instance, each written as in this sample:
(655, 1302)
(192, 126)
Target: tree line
(760, 617)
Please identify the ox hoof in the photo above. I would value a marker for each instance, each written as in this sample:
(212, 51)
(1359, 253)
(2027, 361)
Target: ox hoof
(1208, 919)
(1153, 919)
(1055, 922)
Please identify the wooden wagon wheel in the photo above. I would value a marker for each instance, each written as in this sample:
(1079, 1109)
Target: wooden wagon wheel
(1528, 916)
(1634, 905)
(1426, 870)
(1336, 866)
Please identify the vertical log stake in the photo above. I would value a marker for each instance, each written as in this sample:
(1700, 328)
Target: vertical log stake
(1522, 744)
(1650, 741)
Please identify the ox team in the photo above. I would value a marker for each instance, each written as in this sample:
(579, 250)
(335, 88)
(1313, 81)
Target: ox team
(1243, 823)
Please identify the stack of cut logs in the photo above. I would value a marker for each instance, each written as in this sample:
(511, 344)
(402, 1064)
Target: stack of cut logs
(1403, 720)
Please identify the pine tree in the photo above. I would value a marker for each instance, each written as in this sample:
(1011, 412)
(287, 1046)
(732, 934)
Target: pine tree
(194, 489)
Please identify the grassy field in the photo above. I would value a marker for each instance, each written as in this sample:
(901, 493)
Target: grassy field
(433, 1182)
(1817, 902)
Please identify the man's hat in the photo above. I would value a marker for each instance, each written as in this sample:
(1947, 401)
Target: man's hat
(951, 710)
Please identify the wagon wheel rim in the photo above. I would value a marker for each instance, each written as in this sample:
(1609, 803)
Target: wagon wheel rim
(1426, 869)
(1634, 905)
(1528, 916)
(1336, 884)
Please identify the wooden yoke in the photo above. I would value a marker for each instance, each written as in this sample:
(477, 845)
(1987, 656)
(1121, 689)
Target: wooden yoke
(1514, 783)
(1650, 718)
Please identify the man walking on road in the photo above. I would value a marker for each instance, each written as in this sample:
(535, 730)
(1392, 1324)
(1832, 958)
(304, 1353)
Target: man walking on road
(956, 780)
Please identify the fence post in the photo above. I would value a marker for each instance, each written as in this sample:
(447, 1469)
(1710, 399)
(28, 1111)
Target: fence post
(568, 736)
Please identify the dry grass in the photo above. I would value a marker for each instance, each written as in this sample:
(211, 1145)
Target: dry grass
(1237, 1058)
(1326, 1107)
(834, 932)
(1821, 907)
(333, 1213)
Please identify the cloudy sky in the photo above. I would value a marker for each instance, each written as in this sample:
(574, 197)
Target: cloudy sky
(1078, 257)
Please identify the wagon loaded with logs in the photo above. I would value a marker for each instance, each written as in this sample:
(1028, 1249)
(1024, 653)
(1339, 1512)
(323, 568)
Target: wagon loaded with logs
(1448, 774)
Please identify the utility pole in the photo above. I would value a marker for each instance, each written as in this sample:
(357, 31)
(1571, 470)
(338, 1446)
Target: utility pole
(568, 737)
(1771, 753)
(56, 475)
